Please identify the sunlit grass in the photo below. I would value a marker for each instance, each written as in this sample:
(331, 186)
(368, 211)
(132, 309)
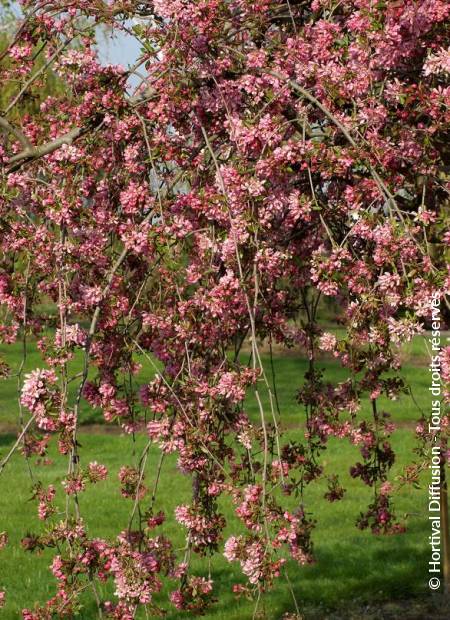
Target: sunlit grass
(287, 377)
(353, 567)
(350, 564)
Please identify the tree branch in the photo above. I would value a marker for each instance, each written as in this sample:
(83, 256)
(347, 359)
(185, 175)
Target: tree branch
(33, 152)
(17, 133)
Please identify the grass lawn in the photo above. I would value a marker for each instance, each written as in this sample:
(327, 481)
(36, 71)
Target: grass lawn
(354, 569)
(289, 369)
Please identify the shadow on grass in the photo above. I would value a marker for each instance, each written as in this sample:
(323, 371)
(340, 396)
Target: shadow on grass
(386, 569)
(7, 439)
(346, 576)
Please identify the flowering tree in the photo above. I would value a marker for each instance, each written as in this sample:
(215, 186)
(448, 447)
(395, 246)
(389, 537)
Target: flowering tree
(274, 153)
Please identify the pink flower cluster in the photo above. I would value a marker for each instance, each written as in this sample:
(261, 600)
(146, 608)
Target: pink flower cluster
(43, 399)
(270, 170)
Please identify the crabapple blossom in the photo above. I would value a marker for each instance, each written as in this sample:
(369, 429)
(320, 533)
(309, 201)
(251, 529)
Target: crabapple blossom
(274, 157)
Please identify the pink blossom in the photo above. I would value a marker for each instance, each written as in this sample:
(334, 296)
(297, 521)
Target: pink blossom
(97, 472)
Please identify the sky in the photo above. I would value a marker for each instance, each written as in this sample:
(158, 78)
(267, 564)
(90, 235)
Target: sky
(120, 49)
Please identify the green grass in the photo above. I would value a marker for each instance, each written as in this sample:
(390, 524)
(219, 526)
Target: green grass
(289, 370)
(351, 565)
